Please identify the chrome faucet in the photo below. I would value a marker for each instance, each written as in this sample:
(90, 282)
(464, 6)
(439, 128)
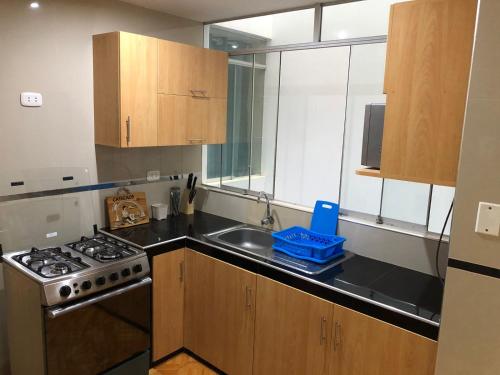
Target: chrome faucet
(268, 219)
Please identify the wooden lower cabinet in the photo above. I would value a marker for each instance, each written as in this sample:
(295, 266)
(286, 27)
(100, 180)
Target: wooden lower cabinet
(219, 313)
(292, 330)
(366, 346)
(244, 323)
(188, 120)
(168, 303)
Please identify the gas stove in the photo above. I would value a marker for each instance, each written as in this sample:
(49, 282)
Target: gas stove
(80, 268)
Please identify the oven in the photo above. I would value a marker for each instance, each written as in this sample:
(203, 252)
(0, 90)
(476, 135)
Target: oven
(106, 333)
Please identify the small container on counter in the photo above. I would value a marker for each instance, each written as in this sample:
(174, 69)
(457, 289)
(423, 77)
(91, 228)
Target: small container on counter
(159, 211)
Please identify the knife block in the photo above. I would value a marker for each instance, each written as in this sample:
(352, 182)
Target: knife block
(186, 207)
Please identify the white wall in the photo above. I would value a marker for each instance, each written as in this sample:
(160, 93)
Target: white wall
(471, 304)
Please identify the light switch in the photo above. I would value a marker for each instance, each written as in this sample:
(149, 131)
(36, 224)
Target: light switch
(31, 99)
(488, 219)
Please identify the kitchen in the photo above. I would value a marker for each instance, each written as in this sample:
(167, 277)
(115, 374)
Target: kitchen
(107, 100)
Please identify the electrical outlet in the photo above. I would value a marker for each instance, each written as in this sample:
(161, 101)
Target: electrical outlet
(153, 176)
(31, 99)
(488, 219)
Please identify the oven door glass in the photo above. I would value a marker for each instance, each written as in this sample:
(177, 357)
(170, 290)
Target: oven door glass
(90, 338)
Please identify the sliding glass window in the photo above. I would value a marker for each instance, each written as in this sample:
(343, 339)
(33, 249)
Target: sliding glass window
(296, 116)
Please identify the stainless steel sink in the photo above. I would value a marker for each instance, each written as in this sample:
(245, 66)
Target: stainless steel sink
(259, 242)
(255, 240)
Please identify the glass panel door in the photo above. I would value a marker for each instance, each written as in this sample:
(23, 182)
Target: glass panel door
(236, 151)
(264, 121)
(366, 81)
(311, 124)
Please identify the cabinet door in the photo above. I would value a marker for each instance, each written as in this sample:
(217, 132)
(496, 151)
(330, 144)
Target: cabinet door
(181, 68)
(219, 313)
(106, 49)
(292, 330)
(191, 71)
(428, 61)
(216, 68)
(183, 120)
(138, 90)
(366, 346)
(172, 119)
(168, 303)
(215, 132)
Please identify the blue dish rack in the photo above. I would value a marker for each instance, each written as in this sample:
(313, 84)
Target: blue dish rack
(318, 244)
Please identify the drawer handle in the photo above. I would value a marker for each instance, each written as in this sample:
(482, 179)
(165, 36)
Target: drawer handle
(322, 331)
(196, 140)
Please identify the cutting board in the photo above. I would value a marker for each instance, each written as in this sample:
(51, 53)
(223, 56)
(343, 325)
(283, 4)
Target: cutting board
(126, 209)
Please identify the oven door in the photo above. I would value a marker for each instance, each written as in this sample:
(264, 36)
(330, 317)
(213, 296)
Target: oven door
(100, 333)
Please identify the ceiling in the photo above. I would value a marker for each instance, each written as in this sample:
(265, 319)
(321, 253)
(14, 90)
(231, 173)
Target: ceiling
(213, 10)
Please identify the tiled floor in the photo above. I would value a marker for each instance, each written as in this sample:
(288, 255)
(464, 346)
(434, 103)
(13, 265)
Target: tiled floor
(181, 364)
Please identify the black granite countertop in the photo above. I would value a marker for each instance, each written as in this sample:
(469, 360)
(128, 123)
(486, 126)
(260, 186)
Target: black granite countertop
(398, 295)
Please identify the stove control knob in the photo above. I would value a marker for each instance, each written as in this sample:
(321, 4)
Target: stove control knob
(65, 291)
(137, 268)
(126, 272)
(100, 280)
(86, 285)
(113, 276)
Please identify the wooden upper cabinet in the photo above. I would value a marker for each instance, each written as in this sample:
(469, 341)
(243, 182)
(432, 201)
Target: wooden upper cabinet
(152, 92)
(220, 313)
(292, 330)
(168, 303)
(428, 61)
(191, 71)
(363, 345)
(125, 90)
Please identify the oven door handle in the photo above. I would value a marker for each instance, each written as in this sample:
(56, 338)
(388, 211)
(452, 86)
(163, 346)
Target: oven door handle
(58, 311)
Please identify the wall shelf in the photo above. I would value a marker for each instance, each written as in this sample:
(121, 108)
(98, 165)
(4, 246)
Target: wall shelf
(371, 172)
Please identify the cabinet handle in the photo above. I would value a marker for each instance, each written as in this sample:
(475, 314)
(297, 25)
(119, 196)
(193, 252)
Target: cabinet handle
(129, 130)
(338, 336)
(181, 271)
(199, 93)
(322, 331)
(195, 140)
(248, 297)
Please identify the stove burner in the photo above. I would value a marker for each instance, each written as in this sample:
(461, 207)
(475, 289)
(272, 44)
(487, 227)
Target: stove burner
(55, 269)
(91, 251)
(102, 248)
(107, 255)
(50, 262)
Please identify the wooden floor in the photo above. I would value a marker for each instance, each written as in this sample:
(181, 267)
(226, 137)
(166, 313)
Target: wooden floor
(181, 364)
